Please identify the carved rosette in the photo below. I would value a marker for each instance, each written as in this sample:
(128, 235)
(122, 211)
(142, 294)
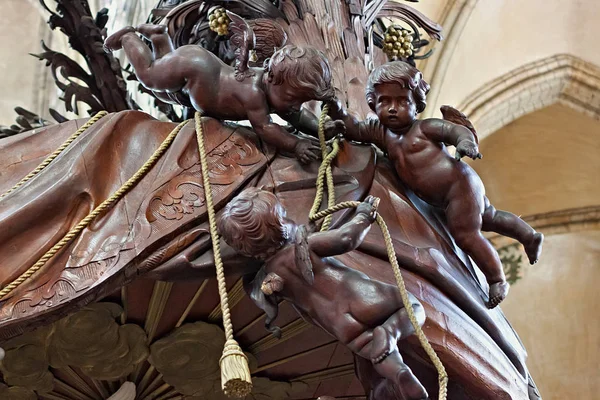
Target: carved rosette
(188, 358)
(16, 393)
(92, 340)
(26, 363)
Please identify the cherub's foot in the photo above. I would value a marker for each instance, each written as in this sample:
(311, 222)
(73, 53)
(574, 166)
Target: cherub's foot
(382, 345)
(409, 386)
(148, 30)
(533, 249)
(498, 292)
(113, 42)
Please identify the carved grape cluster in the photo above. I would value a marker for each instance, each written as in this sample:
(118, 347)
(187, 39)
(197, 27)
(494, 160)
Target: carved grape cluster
(219, 21)
(397, 43)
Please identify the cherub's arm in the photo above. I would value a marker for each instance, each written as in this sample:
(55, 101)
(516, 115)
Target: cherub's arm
(307, 122)
(442, 131)
(277, 136)
(349, 236)
(303, 120)
(359, 131)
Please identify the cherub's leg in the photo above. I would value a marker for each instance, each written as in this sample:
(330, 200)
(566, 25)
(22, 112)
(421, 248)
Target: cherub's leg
(113, 42)
(464, 216)
(508, 224)
(391, 367)
(396, 371)
(398, 327)
(161, 74)
(159, 37)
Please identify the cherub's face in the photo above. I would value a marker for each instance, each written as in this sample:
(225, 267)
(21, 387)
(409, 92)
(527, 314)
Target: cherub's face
(394, 105)
(284, 99)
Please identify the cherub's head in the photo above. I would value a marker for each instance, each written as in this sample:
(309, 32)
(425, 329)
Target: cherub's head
(254, 223)
(396, 92)
(296, 75)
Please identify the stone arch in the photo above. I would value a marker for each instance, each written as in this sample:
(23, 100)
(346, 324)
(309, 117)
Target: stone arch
(561, 78)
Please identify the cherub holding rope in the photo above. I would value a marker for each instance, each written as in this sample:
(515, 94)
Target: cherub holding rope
(396, 92)
(366, 315)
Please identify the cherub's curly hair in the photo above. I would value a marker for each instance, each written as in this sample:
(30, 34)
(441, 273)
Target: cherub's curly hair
(305, 69)
(253, 223)
(403, 74)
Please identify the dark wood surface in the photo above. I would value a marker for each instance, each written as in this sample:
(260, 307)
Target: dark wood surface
(475, 344)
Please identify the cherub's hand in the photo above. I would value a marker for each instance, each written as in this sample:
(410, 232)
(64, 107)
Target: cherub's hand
(306, 151)
(369, 207)
(467, 148)
(333, 128)
(334, 104)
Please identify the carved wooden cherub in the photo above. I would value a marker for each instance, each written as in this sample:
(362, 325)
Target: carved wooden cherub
(366, 315)
(291, 77)
(396, 92)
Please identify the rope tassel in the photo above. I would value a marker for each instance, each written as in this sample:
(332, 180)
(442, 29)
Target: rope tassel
(235, 373)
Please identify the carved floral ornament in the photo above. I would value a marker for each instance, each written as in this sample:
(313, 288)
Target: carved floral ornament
(92, 341)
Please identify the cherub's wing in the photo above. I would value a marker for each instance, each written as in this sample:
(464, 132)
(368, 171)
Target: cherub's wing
(242, 37)
(453, 115)
(302, 255)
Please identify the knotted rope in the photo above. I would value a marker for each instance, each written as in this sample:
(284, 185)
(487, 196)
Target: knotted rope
(235, 373)
(389, 245)
(104, 206)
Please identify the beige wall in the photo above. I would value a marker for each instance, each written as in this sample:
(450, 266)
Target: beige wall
(554, 308)
(20, 27)
(545, 161)
(502, 35)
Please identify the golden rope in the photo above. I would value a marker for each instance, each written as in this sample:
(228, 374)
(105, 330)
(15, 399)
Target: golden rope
(325, 171)
(52, 156)
(235, 373)
(104, 206)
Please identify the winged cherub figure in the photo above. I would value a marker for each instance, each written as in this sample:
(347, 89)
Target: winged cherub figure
(366, 315)
(396, 92)
(291, 77)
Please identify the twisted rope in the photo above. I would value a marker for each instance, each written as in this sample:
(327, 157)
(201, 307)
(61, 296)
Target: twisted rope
(441, 370)
(235, 373)
(56, 153)
(104, 206)
(325, 171)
